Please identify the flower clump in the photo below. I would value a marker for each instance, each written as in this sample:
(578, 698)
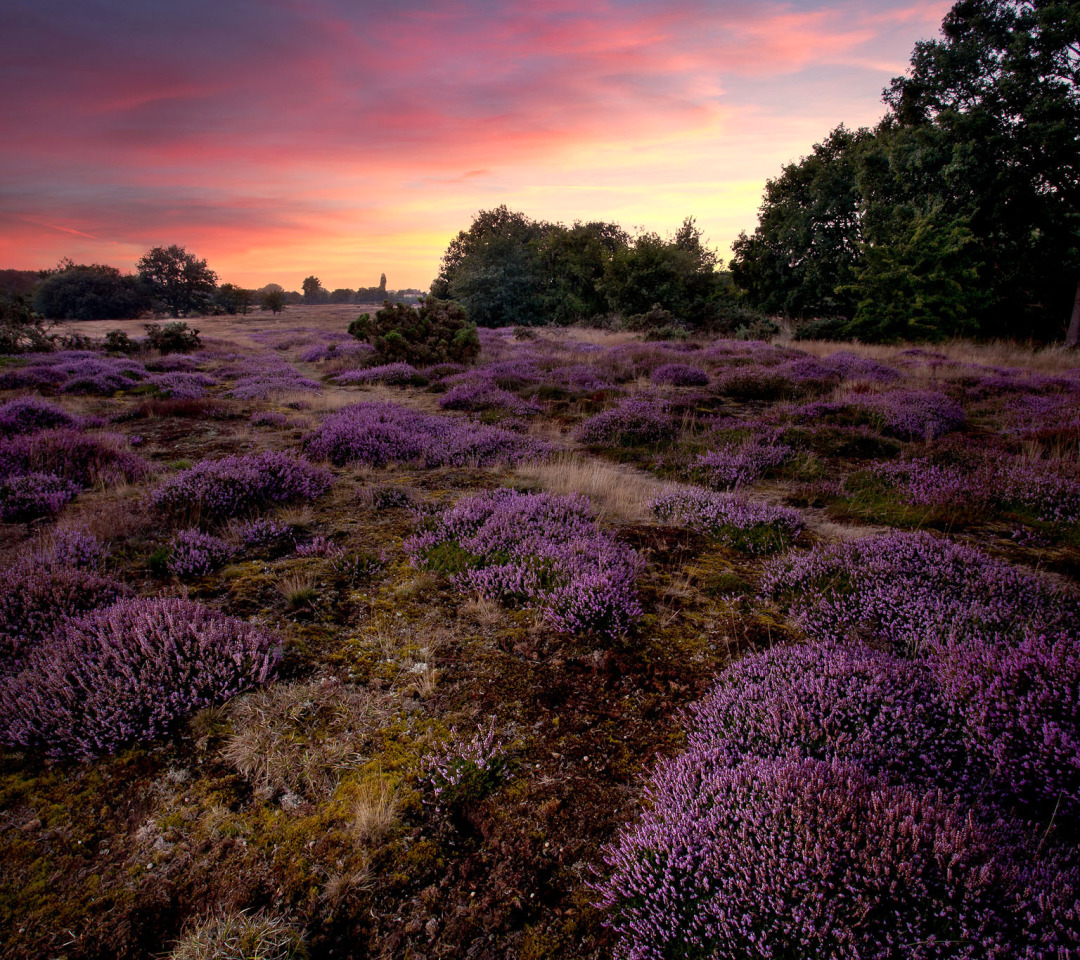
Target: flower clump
(464, 769)
(126, 672)
(679, 375)
(182, 385)
(478, 395)
(193, 553)
(392, 374)
(537, 549)
(380, 433)
(916, 414)
(751, 527)
(28, 496)
(632, 421)
(740, 464)
(28, 414)
(238, 485)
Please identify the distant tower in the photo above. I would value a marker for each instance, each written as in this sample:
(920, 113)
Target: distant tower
(382, 283)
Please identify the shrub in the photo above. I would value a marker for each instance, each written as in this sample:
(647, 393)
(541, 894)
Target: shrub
(680, 375)
(183, 386)
(465, 770)
(915, 414)
(435, 332)
(41, 592)
(240, 936)
(392, 374)
(740, 464)
(28, 496)
(118, 341)
(126, 672)
(82, 458)
(69, 547)
(175, 337)
(836, 702)
(802, 858)
(258, 531)
(741, 524)
(476, 396)
(635, 420)
(380, 433)
(237, 485)
(539, 549)
(915, 593)
(193, 553)
(29, 414)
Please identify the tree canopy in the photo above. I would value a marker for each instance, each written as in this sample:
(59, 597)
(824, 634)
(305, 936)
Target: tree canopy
(178, 281)
(960, 210)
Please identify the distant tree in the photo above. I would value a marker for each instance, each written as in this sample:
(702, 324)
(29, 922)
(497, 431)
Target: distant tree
(89, 292)
(178, 281)
(382, 284)
(233, 299)
(272, 299)
(314, 291)
(342, 295)
(21, 282)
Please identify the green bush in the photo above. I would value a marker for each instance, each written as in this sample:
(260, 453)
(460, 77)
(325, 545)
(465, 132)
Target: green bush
(436, 332)
(175, 337)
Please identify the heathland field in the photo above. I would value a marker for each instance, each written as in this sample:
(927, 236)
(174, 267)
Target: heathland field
(594, 647)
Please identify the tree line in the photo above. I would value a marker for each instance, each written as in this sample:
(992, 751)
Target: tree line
(959, 213)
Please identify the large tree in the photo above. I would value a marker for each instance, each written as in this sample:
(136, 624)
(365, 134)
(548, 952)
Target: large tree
(78, 291)
(179, 282)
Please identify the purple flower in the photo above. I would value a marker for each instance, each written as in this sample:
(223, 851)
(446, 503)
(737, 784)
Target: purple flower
(193, 553)
(632, 421)
(679, 375)
(740, 523)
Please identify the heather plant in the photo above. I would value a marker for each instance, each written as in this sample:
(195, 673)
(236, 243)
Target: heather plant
(1019, 705)
(238, 485)
(268, 418)
(69, 547)
(538, 549)
(258, 531)
(477, 396)
(376, 434)
(915, 593)
(41, 593)
(126, 672)
(740, 464)
(679, 375)
(319, 546)
(193, 553)
(915, 414)
(85, 459)
(804, 858)
(464, 770)
(30, 496)
(29, 414)
(632, 421)
(829, 701)
(182, 385)
(392, 374)
(756, 528)
(336, 351)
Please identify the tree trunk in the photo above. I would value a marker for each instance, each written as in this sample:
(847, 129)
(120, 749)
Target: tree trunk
(1072, 338)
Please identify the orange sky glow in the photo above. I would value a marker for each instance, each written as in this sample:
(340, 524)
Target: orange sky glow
(345, 140)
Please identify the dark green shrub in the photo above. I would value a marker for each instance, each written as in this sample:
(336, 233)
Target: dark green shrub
(117, 341)
(436, 332)
(175, 337)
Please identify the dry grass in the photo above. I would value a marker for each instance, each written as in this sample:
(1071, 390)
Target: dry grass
(616, 491)
(375, 811)
(300, 737)
(240, 936)
(298, 589)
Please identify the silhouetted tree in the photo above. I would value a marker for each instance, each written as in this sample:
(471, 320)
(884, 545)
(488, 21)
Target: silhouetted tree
(178, 282)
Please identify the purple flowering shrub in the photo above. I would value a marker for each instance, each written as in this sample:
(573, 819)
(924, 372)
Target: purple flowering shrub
(258, 531)
(1019, 705)
(69, 547)
(380, 433)
(797, 857)
(336, 351)
(915, 414)
(126, 672)
(238, 485)
(538, 549)
(635, 420)
(182, 385)
(477, 396)
(29, 414)
(263, 376)
(742, 524)
(320, 546)
(392, 374)
(28, 496)
(193, 553)
(83, 458)
(42, 590)
(679, 375)
(464, 770)
(1051, 494)
(740, 464)
(829, 701)
(915, 593)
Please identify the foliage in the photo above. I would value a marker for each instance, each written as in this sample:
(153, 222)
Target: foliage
(90, 292)
(379, 433)
(27, 414)
(119, 341)
(28, 496)
(314, 291)
(272, 300)
(126, 672)
(232, 299)
(679, 375)
(434, 332)
(85, 459)
(632, 421)
(21, 329)
(237, 485)
(740, 464)
(465, 770)
(539, 549)
(178, 282)
(175, 337)
(742, 524)
(193, 553)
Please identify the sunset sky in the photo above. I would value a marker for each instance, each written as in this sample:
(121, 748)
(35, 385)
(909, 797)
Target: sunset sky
(281, 138)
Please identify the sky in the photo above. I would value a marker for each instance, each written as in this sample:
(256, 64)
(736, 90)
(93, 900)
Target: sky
(285, 138)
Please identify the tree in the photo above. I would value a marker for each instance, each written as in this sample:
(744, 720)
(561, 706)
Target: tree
(314, 291)
(89, 292)
(342, 295)
(178, 281)
(272, 299)
(233, 299)
(21, 329)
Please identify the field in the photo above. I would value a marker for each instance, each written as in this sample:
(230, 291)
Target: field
(462, 721)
